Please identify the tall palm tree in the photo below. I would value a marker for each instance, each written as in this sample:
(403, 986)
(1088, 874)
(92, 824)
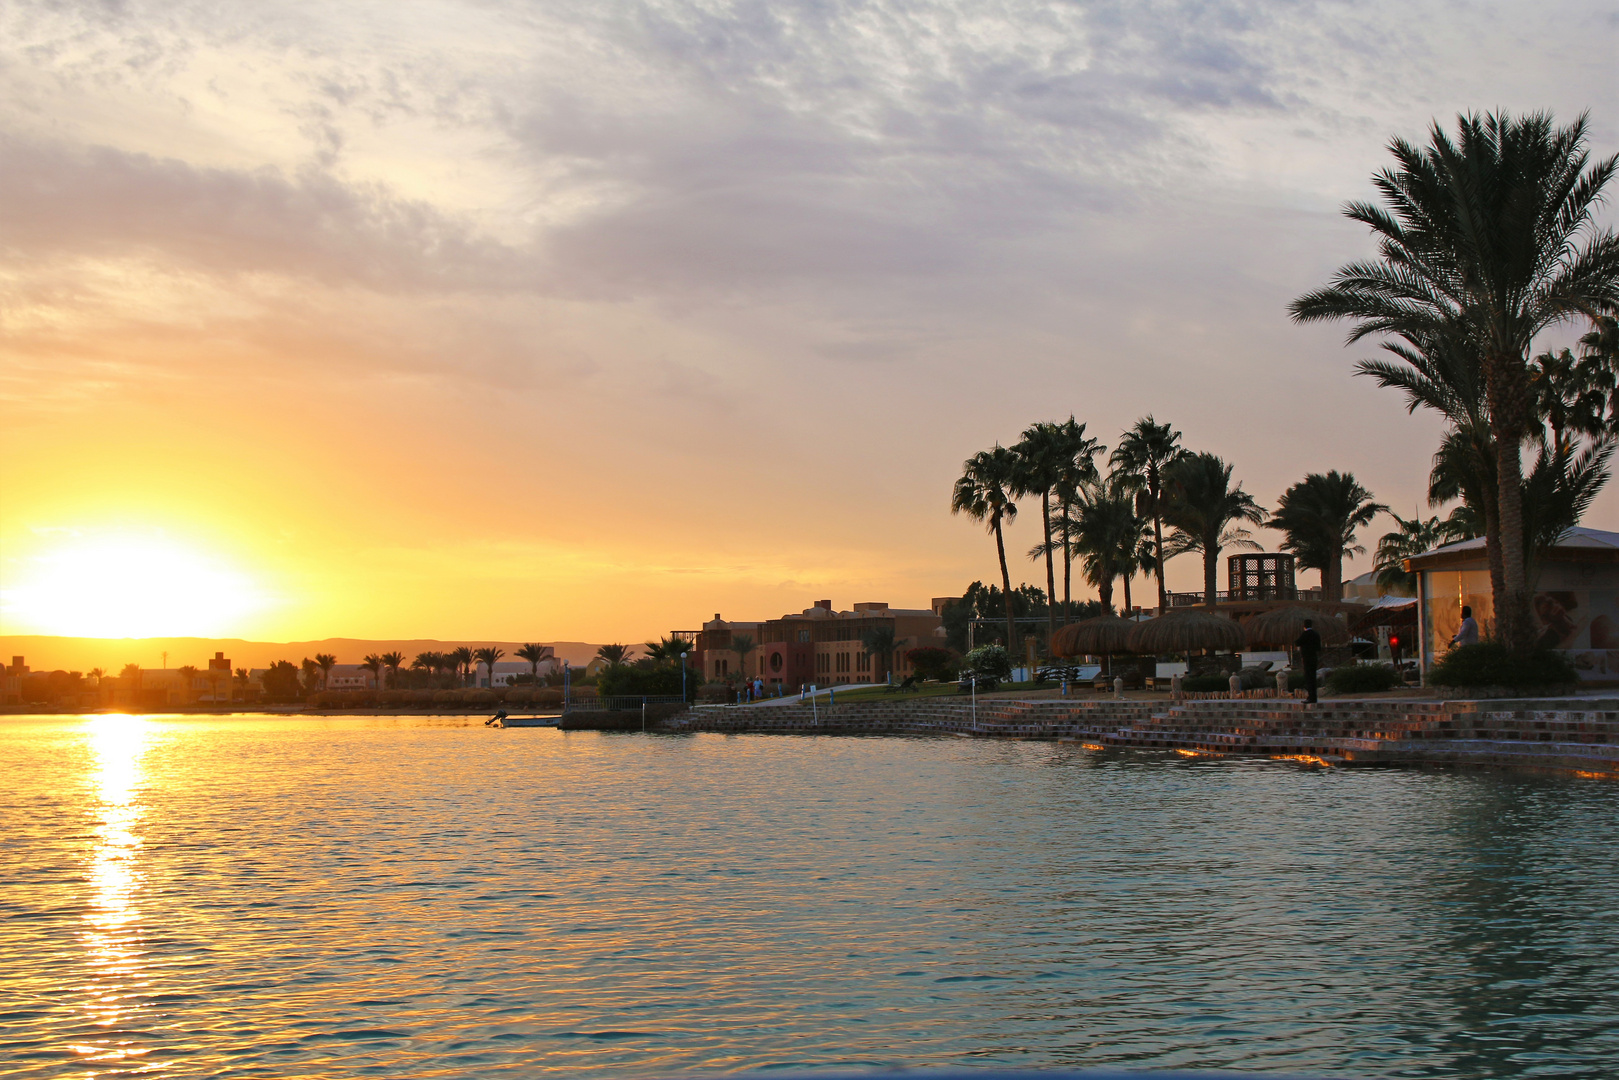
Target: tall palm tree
(1143, 453)
(1320, 516)
(427, 662)
(533, 653)
(613, 654)
(325, 661)
(1571, 395)
(372, 663)
(461, 657)
(1206, 512)
(1078, 468)
(392, 660)
(742, 645)
(984, 493)
(1494, 231)
(1109, 536)
(487, 656)
(1038, 471)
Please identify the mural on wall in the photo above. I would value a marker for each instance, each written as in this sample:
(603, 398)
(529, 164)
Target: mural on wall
(1585, 624)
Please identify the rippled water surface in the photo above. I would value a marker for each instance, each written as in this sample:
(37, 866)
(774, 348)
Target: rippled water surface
(409, 898)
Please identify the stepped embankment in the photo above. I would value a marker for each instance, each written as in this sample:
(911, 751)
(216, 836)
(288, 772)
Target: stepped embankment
(1566, 735)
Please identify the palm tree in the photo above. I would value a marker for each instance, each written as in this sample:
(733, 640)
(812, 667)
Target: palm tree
(742, 645)
(461, 657)
(372, 663)
(487, 656)
(96, 673)
(188, 673)
(1493, 232)
(533, 653)
(427, 662)
(326, 661)
(1320, 516)
(983, 493)
(1143, 453)
(613, 654)
(1108, 536)
(1205, 510)
(1410, 539)
(879, 642)
(392, 660)
(1571, 396)
(1053, 459)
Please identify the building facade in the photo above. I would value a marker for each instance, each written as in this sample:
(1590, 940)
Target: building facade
(818, 646)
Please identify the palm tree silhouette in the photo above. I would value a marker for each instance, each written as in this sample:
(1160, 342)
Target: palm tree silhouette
(1204, 509)
(1320, 516)
(983, 493)
(461, 657)
(1143, 453)
(533, 654)
(373, 664)
(1108, 536)
(1493, 233)
(879, 642)
(613, 654)
(742, 645)
(1049, 458)
(392, 660)
(326, 661)
(487, 657)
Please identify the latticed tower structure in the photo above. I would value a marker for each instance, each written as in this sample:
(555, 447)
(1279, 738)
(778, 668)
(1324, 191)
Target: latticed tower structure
(1261, 576)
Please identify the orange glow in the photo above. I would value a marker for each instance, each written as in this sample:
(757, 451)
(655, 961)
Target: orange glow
(124, 585)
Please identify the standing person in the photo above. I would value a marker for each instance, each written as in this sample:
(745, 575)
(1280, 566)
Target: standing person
(1309, 646)
(1467, 633)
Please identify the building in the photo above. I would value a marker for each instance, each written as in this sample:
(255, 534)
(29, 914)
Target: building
(818, 646)
(507, 670)
(1575, 605)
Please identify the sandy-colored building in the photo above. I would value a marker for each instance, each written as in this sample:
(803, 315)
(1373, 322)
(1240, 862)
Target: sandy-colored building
(1575, 605)
(817, 646)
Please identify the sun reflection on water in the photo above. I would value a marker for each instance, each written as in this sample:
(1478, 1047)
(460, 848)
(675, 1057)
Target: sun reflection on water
(111, 934)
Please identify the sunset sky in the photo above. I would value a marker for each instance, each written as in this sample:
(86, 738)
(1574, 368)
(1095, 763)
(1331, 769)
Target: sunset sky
(589, 320)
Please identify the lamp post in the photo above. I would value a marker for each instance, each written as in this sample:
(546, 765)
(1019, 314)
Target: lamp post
(567, 673)
(683, 677)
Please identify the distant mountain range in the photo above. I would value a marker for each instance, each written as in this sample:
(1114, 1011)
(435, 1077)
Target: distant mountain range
(44, 653)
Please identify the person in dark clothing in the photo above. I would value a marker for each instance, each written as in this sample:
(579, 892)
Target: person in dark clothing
(1309, 646)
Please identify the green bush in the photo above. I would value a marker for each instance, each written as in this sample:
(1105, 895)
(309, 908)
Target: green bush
(932, 662)
(1363, 679)
(1205, 684)
(664, 680)
(1489, 664)
(988, 662)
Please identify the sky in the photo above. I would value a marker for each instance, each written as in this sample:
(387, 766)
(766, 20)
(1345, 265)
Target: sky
(590, 320)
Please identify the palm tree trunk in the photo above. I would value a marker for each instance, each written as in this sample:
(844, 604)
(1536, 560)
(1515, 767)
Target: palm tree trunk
(1158, 541)
(1492, 544)
(1105, 592)
(1067, 582)
(1127, 604)
(1332, 579)
(1051, 572)
(1006, 589)
(1211, 568)
(1508, 397)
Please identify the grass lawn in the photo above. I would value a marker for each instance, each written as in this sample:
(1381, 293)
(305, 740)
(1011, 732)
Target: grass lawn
(857, 692)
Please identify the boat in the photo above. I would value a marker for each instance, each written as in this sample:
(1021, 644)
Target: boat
(503, 720)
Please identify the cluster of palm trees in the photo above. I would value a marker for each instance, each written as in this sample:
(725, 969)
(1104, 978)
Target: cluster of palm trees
(1485, 240)
(665, 650)
(1113, 524)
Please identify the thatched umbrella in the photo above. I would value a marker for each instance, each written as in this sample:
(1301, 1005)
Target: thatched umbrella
(1186, 631)
(1282, 626)
(1101, 636)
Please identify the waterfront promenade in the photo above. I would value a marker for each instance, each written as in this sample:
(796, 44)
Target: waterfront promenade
(1567, 735)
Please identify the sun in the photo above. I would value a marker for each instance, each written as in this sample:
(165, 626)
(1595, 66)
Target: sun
(129, 586)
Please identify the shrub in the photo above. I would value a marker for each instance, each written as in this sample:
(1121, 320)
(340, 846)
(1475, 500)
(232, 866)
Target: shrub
(716, 693)
(479, 697)
(627, 680)
(447, 697)
(421, 697)
(932, 662)
(1363, 679)
(520, 695)
(1489, 664)
(988, 662)
(548, 698)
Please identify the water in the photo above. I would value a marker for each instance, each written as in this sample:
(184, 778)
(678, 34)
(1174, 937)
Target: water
(416, 898)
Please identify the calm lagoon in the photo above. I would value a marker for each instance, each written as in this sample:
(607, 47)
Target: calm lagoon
(410, 897)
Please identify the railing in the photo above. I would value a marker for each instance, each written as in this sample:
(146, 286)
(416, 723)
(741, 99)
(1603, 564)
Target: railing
(1224, 596)
(624, 702)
